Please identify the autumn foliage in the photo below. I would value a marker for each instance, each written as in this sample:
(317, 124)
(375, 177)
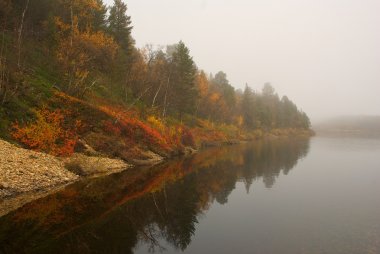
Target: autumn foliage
(82, 51)
(78, 57)
(48, 133)
(131, 129)
(153, 132)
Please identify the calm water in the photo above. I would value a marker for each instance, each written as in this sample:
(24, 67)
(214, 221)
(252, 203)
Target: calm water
(285, 196)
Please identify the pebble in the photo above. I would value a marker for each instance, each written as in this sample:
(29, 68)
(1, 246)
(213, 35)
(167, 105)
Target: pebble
(23, 170)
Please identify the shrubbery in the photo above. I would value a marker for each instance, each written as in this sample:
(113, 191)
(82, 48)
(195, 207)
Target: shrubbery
(48, 133)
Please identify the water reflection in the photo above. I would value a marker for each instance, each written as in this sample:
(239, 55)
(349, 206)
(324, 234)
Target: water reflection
(143, 206)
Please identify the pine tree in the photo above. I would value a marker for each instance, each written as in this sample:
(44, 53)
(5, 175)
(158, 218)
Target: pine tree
(228, 91)
(100, 21)
(247, 107)
(184, 92)
(120, 25)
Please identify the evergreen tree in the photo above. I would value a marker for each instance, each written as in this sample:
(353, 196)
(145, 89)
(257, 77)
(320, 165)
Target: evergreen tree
(227, 90)
(120, 25)
(100, 21)
(184, 92)
(268, 89)
(248, 107)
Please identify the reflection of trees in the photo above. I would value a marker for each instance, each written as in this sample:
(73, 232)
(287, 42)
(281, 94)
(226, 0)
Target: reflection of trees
(115, 213)
(268, 158)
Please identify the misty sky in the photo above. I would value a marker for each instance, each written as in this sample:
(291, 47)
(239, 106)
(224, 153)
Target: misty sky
(325, 54)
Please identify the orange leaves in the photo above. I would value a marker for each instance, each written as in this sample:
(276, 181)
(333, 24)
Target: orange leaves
(153, 133)
(177, 135)
(157, 123)
(98, 43)
(131, 128)
(239, 120)
(136, 131)
(82, 48)
(47, 133)
(85, 9)
(81, 52)
(208, 131)
(62, 26)
(214, 97)
(202, 84)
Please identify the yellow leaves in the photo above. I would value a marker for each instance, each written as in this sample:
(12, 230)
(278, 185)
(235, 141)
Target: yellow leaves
(81, 74)
(205, 124)
(172, 134)
(214, 97)
(239, 120)
(96, 45)
(156, 123)
(80, 52)
(93, 4)
(82, 8)
(203, 84)
(62, 26)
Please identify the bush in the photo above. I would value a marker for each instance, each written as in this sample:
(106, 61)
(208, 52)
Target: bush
(47, 133)
(188, 138)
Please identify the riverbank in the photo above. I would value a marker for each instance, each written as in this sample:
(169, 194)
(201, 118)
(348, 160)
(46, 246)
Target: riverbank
(27, 175)
(23, 170)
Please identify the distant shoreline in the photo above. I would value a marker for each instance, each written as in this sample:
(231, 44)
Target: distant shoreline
(347, 133)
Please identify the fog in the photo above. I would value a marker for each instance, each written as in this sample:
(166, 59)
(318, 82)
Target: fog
(324, 55)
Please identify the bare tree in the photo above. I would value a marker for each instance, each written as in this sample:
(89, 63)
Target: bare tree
(19, 39)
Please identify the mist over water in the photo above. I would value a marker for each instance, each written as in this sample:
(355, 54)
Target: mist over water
(216, 109)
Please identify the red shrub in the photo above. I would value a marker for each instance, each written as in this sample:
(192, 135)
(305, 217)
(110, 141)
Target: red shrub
(47, 133)
(112, 128)
(187, 138)
(134, 130)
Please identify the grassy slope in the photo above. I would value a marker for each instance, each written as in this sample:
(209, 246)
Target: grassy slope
(107, 124)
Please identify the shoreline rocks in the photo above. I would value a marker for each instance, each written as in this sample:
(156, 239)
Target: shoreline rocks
(83, 165)
(26, 175)
(23, 170)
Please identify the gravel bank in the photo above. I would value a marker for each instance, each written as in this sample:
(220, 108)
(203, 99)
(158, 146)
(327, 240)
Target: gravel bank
(26, 175)
(24, 170)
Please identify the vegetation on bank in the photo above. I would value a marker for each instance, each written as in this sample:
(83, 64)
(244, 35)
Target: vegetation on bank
(70, 75)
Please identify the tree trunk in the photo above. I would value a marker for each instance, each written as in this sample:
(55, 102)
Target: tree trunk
(72, 23)
(166, 95)
(155, 96)
(19, 40)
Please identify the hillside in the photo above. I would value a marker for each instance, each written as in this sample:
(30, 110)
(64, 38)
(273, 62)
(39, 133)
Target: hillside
(72, 80)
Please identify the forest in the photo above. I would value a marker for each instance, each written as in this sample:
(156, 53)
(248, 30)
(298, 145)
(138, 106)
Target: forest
(70, 70)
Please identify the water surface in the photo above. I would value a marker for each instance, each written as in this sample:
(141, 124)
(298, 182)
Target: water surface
(279, 196)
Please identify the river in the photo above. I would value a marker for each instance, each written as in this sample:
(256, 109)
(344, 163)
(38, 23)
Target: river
(298, 195)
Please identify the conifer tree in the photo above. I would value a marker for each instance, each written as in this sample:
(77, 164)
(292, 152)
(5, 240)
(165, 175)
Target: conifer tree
(184, 92)
(120, 25)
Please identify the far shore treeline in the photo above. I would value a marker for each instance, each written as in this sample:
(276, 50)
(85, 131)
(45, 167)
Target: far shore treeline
(70, 70)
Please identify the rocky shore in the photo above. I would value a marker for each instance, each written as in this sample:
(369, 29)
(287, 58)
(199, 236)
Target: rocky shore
(24, 170)
(26, 175)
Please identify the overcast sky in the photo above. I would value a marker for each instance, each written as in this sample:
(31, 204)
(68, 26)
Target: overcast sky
(325, 54)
